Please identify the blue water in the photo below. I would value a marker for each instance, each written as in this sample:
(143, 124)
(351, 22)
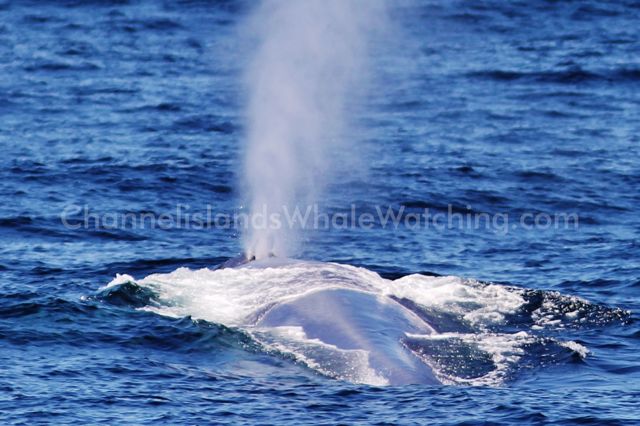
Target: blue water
(528, 107)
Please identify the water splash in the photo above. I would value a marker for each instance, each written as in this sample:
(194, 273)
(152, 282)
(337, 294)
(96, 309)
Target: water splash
(308, 67)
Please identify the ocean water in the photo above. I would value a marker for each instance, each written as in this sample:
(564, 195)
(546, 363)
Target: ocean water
(509, 110)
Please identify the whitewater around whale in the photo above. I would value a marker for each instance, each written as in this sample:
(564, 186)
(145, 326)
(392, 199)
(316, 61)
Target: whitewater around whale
(351, 324)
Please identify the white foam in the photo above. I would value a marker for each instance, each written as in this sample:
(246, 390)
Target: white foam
(576, 347)
(121, 279)
(477, 303)
(505, 351)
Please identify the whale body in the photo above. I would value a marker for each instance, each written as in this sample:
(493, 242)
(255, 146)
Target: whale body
(354, 320)
(349, 323)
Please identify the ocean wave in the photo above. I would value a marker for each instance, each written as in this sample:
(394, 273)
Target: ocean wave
(569, 76)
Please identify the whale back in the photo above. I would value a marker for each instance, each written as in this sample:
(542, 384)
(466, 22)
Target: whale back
(357, 320)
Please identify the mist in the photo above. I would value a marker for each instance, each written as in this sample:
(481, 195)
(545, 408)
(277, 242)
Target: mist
(307, 72)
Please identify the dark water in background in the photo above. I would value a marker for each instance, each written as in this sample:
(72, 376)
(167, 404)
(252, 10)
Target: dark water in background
(135, 107)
